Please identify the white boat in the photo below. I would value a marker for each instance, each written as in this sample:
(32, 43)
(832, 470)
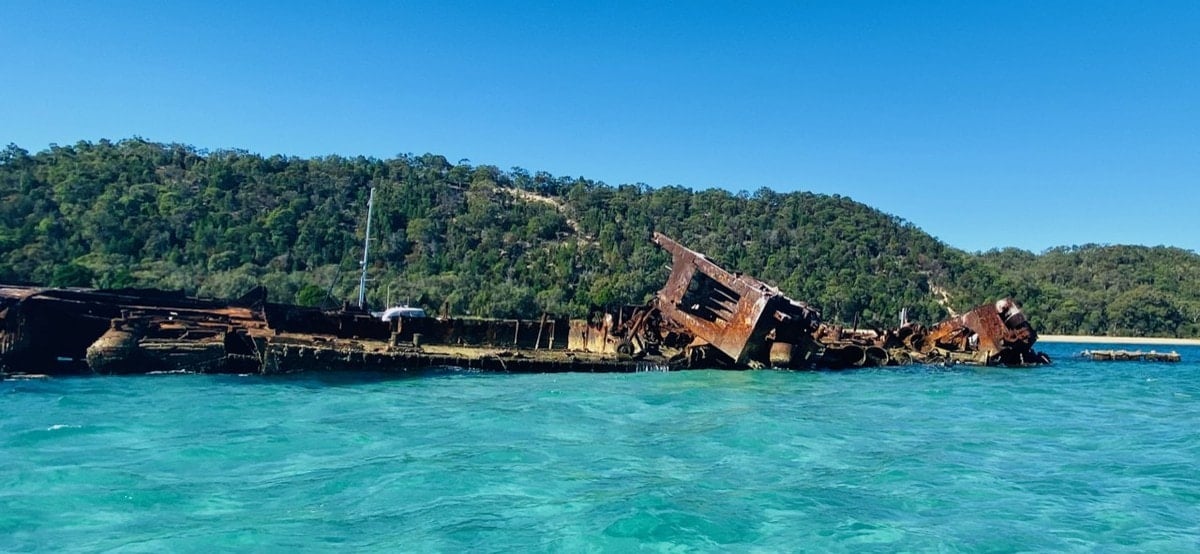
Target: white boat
(397, 312)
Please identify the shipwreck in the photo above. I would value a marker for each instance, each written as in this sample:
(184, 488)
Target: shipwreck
(703, 317)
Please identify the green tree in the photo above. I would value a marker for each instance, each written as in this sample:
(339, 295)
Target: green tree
(478, 239)
(310, 295)
(72, 275)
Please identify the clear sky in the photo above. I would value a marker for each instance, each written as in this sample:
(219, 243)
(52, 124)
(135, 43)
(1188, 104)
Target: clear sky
(988, 124)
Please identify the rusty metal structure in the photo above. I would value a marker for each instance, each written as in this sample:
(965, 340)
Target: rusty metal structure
(55, 328)
(703, 317)
(1131, 356)
(707, 316)
(747, 320)
(989, 334)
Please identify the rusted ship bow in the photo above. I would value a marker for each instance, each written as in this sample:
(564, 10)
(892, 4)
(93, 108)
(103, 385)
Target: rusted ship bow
(703, 317)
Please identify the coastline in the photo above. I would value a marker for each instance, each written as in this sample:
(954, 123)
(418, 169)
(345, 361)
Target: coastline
(1091, 339)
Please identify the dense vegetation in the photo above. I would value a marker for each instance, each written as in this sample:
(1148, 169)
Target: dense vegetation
(1101, 290)
(479, 240)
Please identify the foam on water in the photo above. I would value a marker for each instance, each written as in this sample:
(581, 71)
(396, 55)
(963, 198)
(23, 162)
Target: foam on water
(1080, 456)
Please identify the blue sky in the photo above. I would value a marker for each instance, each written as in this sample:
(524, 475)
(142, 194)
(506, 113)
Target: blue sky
(988, 124)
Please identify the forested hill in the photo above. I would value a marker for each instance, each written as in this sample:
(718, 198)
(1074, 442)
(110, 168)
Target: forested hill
(479, 240)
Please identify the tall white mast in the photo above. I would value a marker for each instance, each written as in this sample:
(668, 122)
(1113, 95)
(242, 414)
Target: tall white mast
(362, 281)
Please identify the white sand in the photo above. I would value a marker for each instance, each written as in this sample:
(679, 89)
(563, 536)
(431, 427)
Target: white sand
(1084, 339)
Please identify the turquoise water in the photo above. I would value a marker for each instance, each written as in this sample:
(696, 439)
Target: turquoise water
(1079, 456)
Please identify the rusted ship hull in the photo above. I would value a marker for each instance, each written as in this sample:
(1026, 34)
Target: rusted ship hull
(76, 331)
(704, 317)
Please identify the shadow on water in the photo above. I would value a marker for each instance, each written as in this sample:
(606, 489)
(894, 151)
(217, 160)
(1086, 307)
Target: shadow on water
(322, 379)
(307, 378)
(319, 378)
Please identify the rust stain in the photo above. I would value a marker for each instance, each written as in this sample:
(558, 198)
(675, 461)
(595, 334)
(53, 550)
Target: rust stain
(704, 316)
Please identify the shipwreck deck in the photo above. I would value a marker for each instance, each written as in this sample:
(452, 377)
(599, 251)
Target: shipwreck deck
(291, 354)
(704, 317)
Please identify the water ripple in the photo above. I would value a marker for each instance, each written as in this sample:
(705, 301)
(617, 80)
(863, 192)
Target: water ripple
(1075, 457)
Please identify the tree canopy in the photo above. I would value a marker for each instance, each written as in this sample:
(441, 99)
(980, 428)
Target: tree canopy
(483, 241)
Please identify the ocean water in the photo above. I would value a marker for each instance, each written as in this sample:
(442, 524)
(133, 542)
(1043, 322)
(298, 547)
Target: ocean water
(1079, 456)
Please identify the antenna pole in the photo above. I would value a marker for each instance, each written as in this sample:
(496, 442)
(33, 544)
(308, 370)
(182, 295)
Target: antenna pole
(362, 281)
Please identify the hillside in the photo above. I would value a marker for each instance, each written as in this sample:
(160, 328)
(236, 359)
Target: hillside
(479, 240)
(1099, 290)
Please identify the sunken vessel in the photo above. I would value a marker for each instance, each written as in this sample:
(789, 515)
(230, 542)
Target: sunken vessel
(705, 316)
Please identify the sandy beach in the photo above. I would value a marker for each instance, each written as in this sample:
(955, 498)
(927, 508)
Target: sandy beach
(1085, 339)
